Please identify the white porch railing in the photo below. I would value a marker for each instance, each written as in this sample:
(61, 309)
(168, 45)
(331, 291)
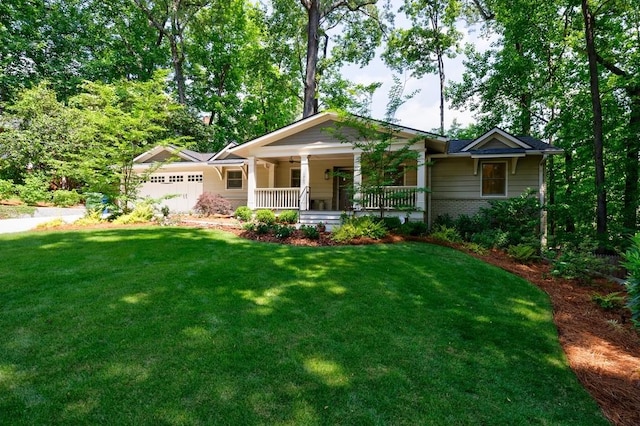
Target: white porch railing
(277, 198)
(392, 198)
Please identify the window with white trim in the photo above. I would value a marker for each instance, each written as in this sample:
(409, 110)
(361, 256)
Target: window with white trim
(494, 179)
(234, 179)
(157, 179)
(194, 178)
(176, 178)
(295, 178)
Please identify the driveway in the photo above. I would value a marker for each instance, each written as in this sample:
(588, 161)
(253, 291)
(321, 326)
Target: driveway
(41, 215)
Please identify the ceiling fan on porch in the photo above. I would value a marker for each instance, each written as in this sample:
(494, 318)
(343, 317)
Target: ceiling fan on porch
(291, 160)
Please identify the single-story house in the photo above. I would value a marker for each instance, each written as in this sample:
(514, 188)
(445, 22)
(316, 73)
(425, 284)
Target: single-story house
(306, 167)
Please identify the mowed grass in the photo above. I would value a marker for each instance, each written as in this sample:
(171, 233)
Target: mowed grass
(184, 326)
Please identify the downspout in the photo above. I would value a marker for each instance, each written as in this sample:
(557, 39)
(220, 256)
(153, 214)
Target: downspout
(542, 185)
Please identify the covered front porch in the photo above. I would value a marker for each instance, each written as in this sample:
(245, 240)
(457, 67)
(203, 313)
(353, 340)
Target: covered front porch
(328, 183)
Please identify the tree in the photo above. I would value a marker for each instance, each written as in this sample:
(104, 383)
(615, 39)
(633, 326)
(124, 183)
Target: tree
(359, 20)
(423, 47)
(121, 121)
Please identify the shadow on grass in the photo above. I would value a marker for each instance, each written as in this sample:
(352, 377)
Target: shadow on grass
(182, 326)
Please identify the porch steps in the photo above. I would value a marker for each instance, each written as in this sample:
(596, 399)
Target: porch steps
(313, 217)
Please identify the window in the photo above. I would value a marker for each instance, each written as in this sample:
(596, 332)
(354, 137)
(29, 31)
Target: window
(176, 178)
(234, 179)
(157, 179)
(194, 178)
(295, 178)
(494, 179)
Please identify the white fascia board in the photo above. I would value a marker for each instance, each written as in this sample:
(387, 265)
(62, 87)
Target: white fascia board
(175, 165)
(492, 132)
(518, 155)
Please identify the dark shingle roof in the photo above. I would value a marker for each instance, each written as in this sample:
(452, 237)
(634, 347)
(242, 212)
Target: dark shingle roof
(457, 145)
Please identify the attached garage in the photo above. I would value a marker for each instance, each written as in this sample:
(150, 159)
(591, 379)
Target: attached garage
(182, 189)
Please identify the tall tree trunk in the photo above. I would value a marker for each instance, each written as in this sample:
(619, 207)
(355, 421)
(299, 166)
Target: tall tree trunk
(310, 106)
(177, 60)
(601, 206)
(569, 224)
(632, 163)
(442, 83)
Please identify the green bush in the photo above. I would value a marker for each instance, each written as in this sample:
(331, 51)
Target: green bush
(609, 301)
(523, 253)
(518, 217)
(359, 227)
(7, 189)
(92, 217)
(142, 213)
(469, 225)
(35, 189)
(209, 204)
(310, 232)
(288, 216)
(491, 238)
(266, 217)
(283, 231)
(392, 223)
(64, 198)
(243, 213)
(445, 233)
(95, 201)
(632, 263)
(414, 229)
(475, 248)
(263, 228)
(576, 265)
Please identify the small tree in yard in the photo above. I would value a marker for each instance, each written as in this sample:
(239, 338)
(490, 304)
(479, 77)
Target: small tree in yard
(632, 264)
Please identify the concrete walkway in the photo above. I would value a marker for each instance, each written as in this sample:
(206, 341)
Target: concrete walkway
(41, 215)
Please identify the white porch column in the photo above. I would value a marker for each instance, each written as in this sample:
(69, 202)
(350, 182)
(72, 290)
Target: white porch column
(304, 182)
(251, 183)
(421, 203)
(357, 181)
(272, 175)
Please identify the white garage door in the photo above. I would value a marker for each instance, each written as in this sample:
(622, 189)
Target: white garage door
(185, 188)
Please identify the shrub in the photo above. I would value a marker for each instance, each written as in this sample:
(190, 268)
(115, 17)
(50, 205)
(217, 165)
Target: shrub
(444, 219)
(64, 198)
(7, 189)
(475, 248)
(142, 213)
(35, 189)
(283, 231)
(522, 253)
(51, 224)
(576, 264)
(209, 204)
(243, 213)
(392, 223)
(91, 218)
(609, 301)
(288, 216)
(262, 228)
(518, 217)
(491, 238)
(414, 229)
(95, 201)
(469, 225)
(266, 217)
(358, 227)
(310, 232)
(632, 263)
(445, 233)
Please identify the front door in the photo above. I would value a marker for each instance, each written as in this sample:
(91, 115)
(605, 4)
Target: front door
(343, 188)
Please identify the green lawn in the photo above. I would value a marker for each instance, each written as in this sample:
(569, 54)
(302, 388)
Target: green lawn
(188, 326)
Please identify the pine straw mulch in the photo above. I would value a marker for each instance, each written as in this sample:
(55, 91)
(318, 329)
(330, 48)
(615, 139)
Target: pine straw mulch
(602, 347)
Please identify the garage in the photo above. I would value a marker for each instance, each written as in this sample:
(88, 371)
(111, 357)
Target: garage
(184, 188)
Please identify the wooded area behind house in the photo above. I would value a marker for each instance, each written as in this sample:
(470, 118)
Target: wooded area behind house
(87, 84)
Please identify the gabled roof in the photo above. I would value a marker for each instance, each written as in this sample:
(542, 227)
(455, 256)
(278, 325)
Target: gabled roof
(319, 119)
(186, 155)
(499, 142)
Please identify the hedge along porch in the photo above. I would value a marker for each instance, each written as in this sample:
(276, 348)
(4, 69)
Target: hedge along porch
(306, 166)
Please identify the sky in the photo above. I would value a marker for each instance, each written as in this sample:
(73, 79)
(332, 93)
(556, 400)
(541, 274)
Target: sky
(422, 112)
